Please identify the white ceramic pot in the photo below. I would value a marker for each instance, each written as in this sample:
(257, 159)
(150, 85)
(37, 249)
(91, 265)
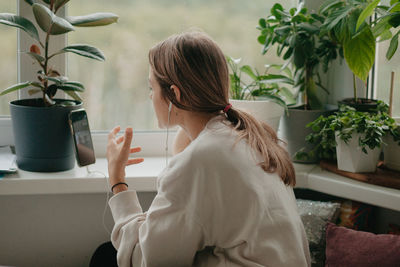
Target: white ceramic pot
(351, 158)
(391, 153)
(263, 110)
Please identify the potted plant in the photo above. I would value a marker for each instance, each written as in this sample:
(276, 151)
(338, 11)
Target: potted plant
(261, 95)
(392, 149)
(42, 137)
(351, 25)
(308, 52)
(354, 138)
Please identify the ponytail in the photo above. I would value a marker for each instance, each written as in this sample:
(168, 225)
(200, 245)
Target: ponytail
(262, 138)
(197, 66)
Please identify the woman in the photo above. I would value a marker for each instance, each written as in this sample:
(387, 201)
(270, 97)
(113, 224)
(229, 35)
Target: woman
(226, 199)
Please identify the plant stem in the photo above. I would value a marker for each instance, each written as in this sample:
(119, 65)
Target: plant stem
(355, 88)
(307, 88)
(46, 60)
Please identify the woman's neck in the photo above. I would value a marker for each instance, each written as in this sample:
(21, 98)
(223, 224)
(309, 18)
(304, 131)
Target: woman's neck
(193, 123)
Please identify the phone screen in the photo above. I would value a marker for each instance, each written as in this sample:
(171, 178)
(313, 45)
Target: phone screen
(82, 137)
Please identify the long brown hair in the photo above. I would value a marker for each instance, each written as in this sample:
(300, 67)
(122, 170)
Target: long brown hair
(196, 65)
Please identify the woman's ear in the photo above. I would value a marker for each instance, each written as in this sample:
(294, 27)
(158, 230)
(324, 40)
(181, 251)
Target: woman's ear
(177, 92)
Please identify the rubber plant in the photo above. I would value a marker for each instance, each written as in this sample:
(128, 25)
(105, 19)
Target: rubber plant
(46, 17)
(302, 45)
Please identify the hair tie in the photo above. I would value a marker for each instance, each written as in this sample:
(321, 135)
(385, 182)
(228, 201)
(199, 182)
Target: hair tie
(228, 107)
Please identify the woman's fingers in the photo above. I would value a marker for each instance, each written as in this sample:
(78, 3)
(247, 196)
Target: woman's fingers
(120, 140)
(134, 161)
(135, 149)
(113, 132)
(128, 138)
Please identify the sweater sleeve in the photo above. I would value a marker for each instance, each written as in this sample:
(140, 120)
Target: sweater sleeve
(164, 236)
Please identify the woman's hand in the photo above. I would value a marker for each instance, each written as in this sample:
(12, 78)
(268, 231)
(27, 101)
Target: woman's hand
(118, 152)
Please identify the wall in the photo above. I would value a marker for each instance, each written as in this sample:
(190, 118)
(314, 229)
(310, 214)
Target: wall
(54, 230)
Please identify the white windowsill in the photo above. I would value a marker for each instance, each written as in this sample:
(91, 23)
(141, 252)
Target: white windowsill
(143, 178)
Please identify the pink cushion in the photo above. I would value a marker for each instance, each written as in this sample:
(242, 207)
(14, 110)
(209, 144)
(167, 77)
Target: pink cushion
(347, 247)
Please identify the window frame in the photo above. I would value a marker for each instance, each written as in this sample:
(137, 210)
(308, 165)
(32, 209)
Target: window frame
(152, 142)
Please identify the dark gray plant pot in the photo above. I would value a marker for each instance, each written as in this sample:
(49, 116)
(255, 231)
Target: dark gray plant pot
(293, 129)
(43, 140)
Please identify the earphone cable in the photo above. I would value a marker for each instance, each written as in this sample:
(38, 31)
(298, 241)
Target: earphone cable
(166, 141)
(108, 190)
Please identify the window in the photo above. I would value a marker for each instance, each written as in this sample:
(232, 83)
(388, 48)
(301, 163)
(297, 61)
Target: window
(117, 89)
(383, 77)
(8, 54)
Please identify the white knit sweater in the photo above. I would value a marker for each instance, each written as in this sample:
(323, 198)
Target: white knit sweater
(214, 207)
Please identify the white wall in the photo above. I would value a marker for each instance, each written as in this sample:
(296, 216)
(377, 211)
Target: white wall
(54, 230)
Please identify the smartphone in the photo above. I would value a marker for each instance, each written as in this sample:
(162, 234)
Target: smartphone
(84, 150)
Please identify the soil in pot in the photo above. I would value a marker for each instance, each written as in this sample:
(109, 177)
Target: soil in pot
(362, 104)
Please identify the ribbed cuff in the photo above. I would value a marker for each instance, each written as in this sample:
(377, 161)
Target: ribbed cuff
(124, 204)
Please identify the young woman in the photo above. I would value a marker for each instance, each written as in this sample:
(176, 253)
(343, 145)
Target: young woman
(226, 198)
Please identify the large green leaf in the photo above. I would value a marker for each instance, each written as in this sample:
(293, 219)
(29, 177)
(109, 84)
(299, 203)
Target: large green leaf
(311, 92)
(45, 18)
(76, 84)
(96, 19)
(15, 87)
(247, 69)
(394, 43)
(287, 95)
(333, 19)
(74, 95)
(20, 22)
(395, 7)
(381, 26)
(367, 12)
(273, 98)
(35, 56)
(70, 87)
(84, 50)
(328, 4)
(311, 29)
(386, 35)
(359, 53)
(275, 78)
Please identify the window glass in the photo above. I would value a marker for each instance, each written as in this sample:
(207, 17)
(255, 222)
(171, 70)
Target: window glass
(117, 89)
(384, 69)
(8, 55)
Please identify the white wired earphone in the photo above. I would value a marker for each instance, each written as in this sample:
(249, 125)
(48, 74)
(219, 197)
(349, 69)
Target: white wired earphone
(166, 141)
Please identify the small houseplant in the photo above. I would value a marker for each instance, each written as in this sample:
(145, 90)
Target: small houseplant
(307, 52)
(354, 138)
(42, 137)
(260, 94)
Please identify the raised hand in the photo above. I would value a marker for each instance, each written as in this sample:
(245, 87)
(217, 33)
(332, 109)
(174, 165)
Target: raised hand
(119, 151)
